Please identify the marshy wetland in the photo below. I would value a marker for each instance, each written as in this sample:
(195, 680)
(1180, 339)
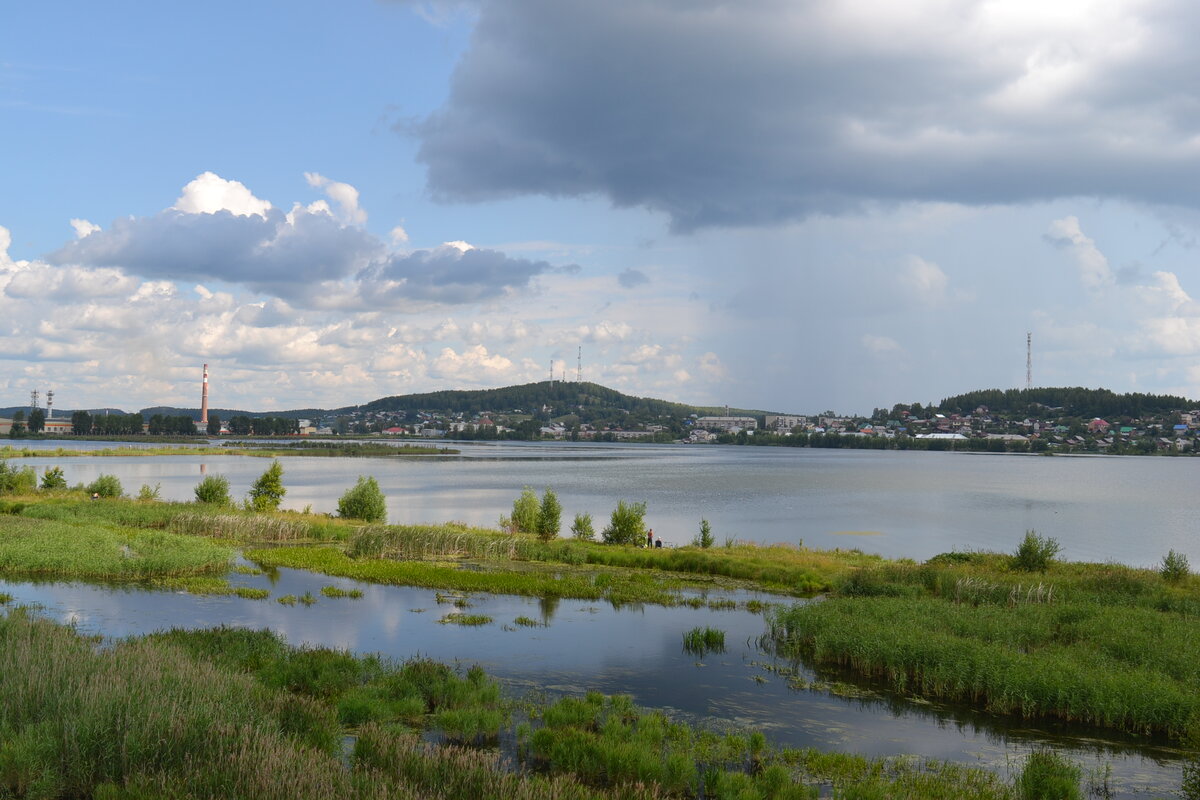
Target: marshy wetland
(585, 670)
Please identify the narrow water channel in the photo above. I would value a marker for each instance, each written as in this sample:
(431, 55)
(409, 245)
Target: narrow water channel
(634, 650)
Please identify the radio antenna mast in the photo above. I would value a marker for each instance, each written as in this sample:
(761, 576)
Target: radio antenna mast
(579, 366)
(1028, 360)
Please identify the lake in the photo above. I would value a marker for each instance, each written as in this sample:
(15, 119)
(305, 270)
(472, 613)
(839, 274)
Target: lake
(901, 504)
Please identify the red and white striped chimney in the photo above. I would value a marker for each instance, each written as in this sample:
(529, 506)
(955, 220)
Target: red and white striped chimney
(204, 398)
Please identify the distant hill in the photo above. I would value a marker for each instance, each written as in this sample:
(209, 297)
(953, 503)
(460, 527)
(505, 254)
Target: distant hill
(588, 400)
(1074, 402)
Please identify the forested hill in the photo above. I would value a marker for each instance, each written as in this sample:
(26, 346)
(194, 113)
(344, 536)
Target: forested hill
(565, 397)
(1074, 402)
(229, 413)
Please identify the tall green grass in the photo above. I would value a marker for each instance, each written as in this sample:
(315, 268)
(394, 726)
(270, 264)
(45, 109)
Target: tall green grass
(1131, 668)
(50, 548)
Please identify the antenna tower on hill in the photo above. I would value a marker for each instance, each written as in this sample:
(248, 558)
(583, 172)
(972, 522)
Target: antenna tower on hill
(1028, 361)
(33, 400)
(579, 366)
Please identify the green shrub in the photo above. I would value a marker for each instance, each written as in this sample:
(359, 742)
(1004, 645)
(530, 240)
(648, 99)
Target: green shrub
(705, 538)
(150, 493)
(549, 516)
(364, 501)
(213, 490)
(106, 486)
(1048, 776)
(17, 480)
(627, 524)
(526, 512)
(1035, 553)
(1174, 567)
(53, 478)
(582, 528)
(267, 492)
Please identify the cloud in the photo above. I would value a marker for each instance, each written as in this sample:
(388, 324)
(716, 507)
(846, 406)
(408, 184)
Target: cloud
(83, 228)
(474, 365)
(761, 112)
(880, 345)
(345, 195)
(218, 231)
(632, 278)
(209, 193)
(925, 280)
(1094, 271)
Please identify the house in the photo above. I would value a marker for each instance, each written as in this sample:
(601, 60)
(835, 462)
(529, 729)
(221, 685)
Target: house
(1099, 426)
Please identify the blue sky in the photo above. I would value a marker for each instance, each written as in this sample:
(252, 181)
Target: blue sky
(790, 206)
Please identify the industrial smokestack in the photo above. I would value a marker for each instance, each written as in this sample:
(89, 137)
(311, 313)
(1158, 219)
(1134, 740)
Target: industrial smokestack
(204, 398)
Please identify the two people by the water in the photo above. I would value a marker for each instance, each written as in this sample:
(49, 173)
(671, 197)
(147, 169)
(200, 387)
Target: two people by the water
(652, 540)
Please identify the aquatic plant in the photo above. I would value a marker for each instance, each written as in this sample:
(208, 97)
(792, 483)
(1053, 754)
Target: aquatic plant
(213, 490)
(307, 598)
(1035, 553)
(1048, 776)
(363, 501)
(286, 599)
(469, 620)
(700, 641)
(252, 593)
(335, 591)
(527, 622)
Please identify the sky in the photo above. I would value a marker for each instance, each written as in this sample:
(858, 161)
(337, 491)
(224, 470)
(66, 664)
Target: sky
(788, 205)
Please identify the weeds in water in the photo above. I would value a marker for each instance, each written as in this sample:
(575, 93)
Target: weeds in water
(1048, 776)
(5, 598)
(466, 619)
(334, 591)
(700, 641)
(527, 622)
(286, 600)
(250, 593)
(241, 569)
(307, 598)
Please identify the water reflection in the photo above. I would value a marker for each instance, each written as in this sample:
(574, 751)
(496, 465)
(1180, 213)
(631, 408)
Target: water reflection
(636, 650)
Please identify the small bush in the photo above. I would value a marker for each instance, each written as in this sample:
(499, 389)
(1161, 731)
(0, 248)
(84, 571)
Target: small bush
(17, 480)
(549, 516)
(582, 528)
(1048, 776)
(627, 524)
(213, 490)
(53, 478)
(526, 512)
(705, 538)
(364, 501)
(267, 492)
(1035, 553)
(149, 493)
(106, 486)
(1174, 567)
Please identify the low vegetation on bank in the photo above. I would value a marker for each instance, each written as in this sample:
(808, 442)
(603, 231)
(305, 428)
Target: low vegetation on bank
(1102, 644)
(136, 720)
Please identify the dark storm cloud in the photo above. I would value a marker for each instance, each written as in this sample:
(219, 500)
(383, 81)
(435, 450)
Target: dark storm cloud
(765, 111)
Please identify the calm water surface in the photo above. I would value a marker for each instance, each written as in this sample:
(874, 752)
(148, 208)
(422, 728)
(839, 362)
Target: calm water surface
(1127, 509)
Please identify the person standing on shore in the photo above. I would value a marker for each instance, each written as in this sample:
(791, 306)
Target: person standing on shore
(650, 538)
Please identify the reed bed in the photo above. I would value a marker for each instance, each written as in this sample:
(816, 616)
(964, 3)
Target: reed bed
(49, 548)
(249, 527)
(1130, 668)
